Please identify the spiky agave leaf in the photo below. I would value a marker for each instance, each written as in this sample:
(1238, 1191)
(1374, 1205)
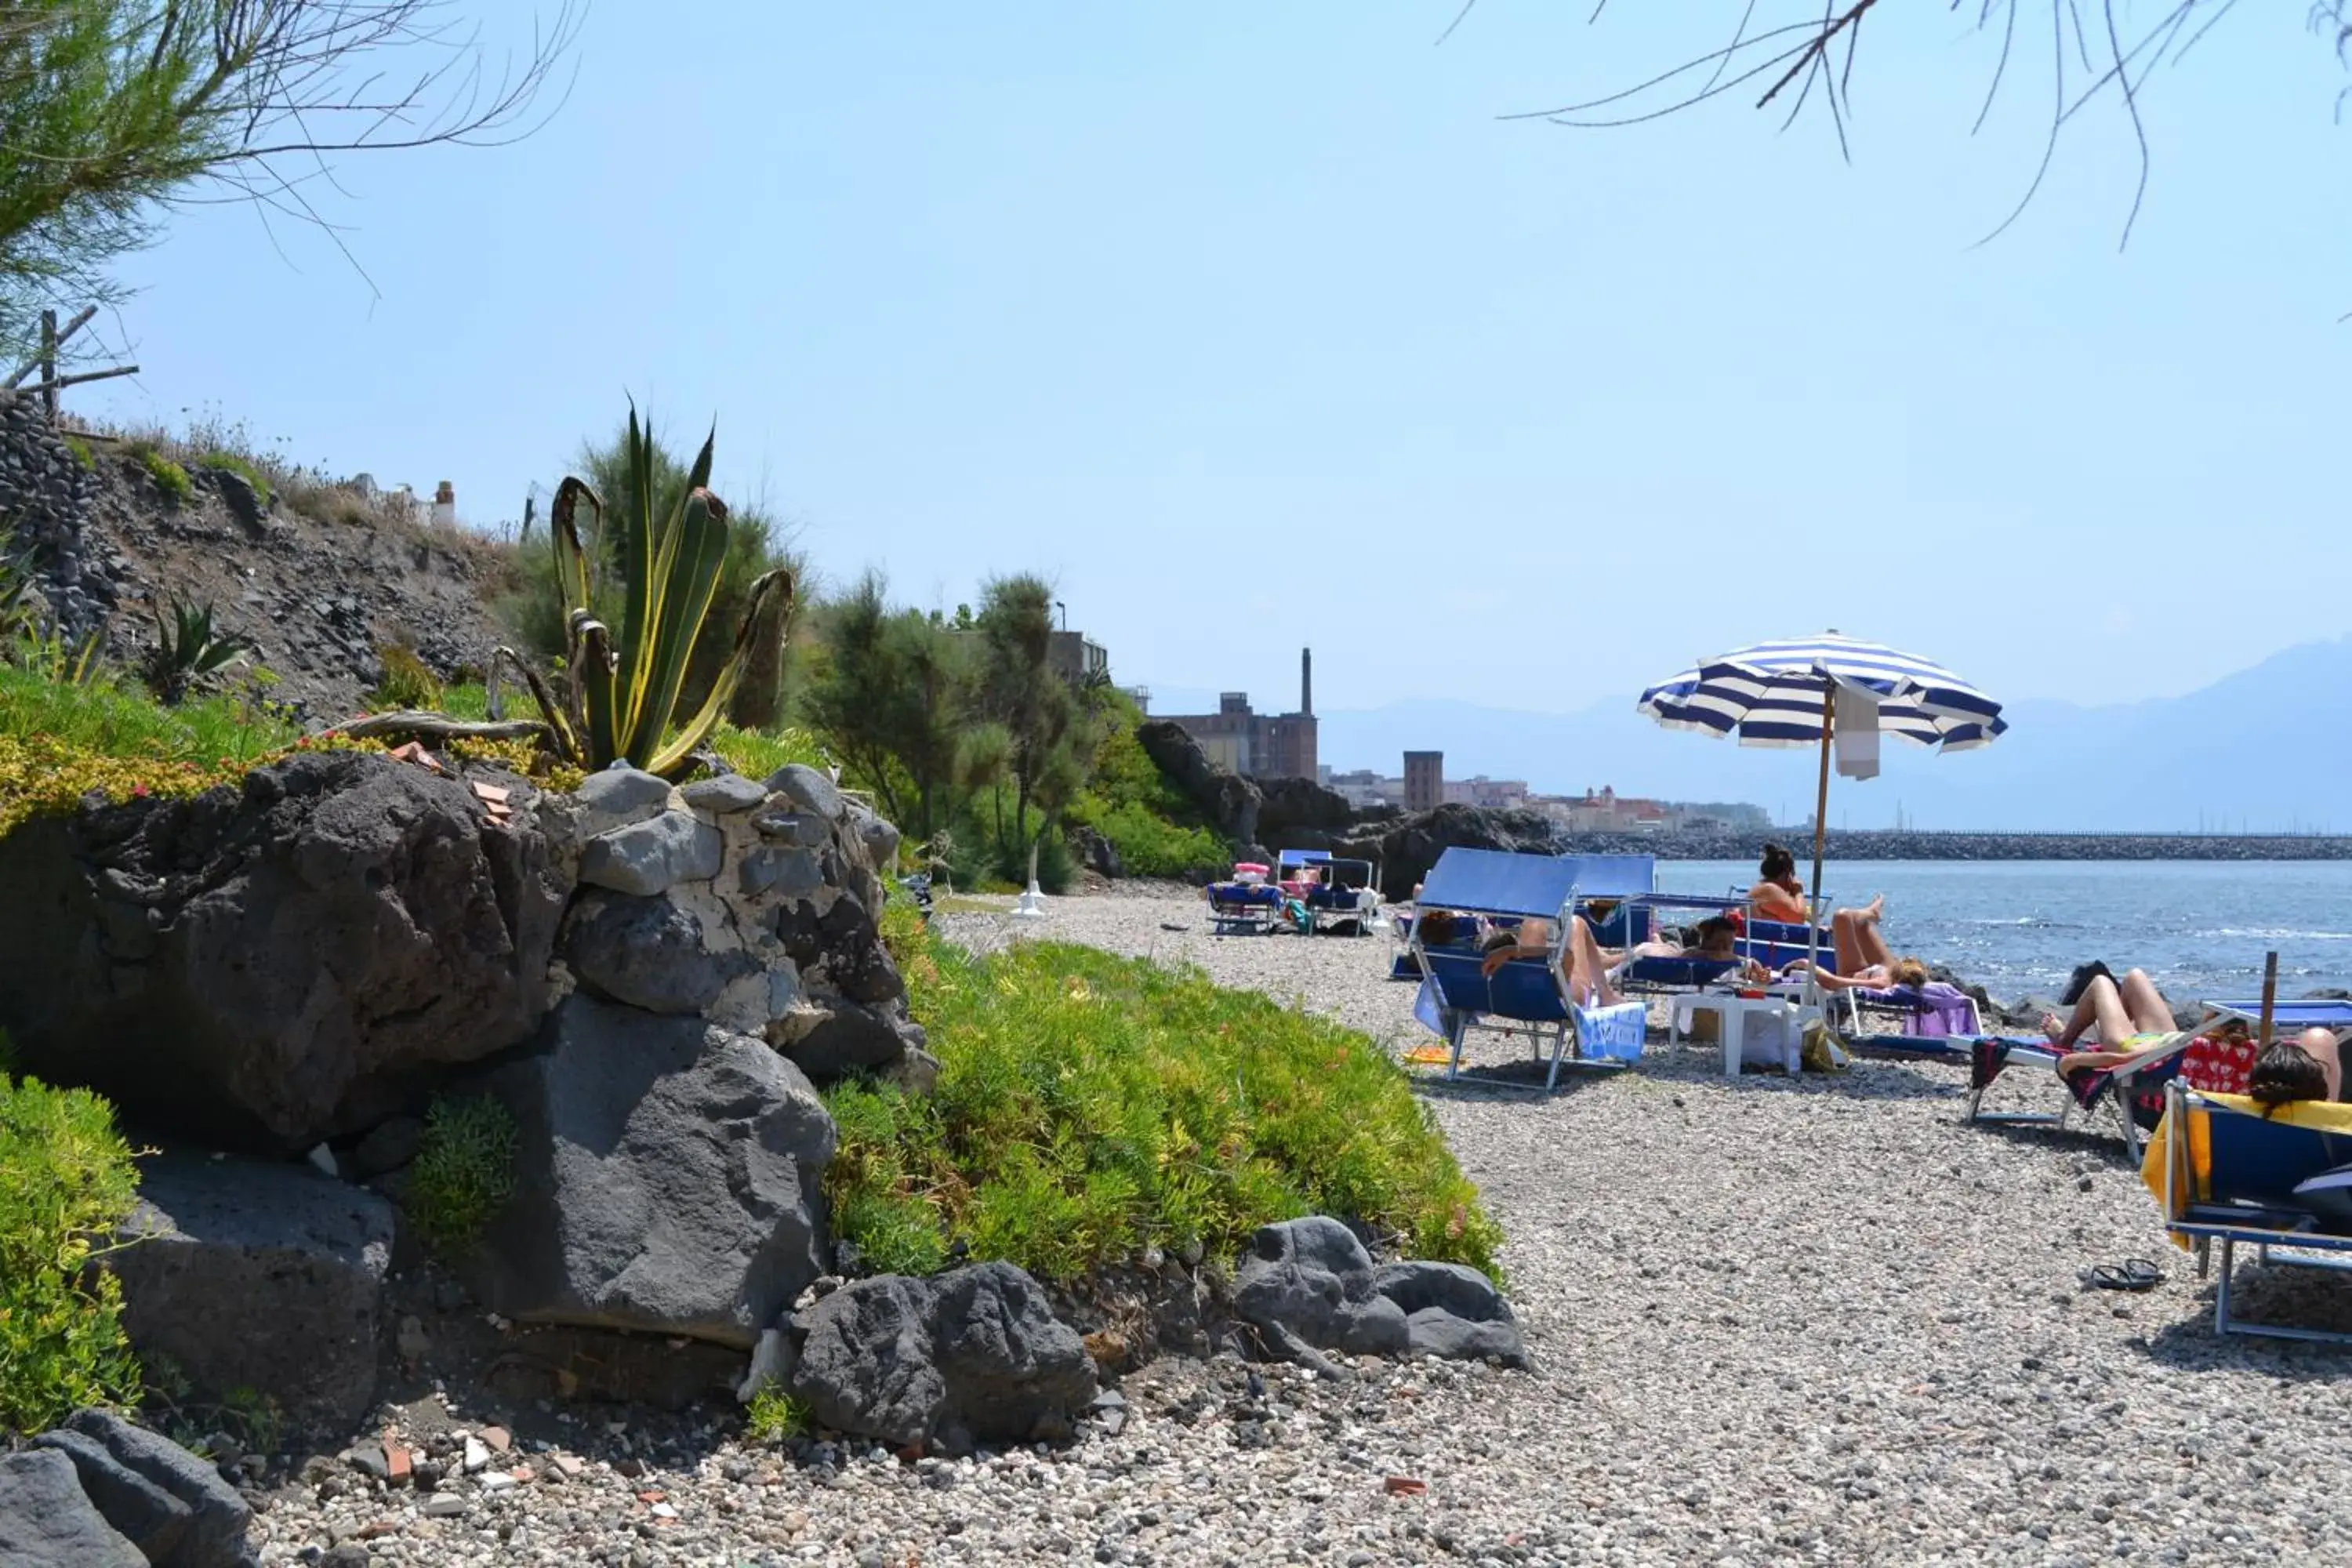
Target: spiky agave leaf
(576, 577)
(691, 734)
(687, 578)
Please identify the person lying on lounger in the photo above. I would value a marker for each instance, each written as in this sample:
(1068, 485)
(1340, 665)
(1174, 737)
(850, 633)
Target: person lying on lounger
(1713, 939)
(2127, 1016)
(1864, 962)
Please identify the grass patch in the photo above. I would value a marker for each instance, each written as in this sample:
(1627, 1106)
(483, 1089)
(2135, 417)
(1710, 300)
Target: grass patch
(756, 754)
(407, 681)
(776, 1417)
(242, 467)
(1090, 1106)
(168, 477)
(66, 1177)
(60, 741)
(81, 451)
(464, 1171)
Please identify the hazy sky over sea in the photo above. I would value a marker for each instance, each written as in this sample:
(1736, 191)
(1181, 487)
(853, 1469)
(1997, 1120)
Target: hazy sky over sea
(1254, 326)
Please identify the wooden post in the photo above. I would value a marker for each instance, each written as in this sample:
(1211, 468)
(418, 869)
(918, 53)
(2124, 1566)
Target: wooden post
(1821, 797)
(2270, 997)
(50, 363)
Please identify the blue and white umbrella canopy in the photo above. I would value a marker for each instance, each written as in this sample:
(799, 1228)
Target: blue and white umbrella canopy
(1772, 695)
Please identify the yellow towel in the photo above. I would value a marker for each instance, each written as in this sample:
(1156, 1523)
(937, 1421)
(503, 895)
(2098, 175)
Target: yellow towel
(2326, 1116)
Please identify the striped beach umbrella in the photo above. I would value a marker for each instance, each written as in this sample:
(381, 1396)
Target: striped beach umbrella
(1785, 694)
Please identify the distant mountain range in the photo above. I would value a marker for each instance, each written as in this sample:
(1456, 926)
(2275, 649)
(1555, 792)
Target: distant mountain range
(2268, 750)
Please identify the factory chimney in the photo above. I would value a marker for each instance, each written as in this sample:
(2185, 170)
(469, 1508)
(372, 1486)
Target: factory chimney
(1307, 681)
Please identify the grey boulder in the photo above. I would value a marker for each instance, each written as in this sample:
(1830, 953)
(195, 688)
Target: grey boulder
(667, 1179)
(807, 789)
(259, 1276)
(47, 1520)
(616, 796)
(645, 952)
(170, 1504)
(726, 795)
(1309, 1286)
(269, 965)
(650, 857)
(973, 1356)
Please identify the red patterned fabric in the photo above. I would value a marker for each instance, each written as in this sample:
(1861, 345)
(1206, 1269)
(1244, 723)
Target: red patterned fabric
(2217, 1067)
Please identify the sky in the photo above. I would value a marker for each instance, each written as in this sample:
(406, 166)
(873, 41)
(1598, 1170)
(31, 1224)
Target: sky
(1257, 326)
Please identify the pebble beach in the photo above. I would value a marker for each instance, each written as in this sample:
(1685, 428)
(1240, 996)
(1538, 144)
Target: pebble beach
(1775, 1321)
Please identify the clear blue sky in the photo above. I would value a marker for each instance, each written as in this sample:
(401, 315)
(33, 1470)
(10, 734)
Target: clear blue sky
(1231, 315)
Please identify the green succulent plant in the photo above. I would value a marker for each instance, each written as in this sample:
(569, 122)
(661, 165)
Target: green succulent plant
(620, 696)
(188, 647)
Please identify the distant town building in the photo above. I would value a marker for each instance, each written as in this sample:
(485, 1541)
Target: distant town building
(1260, 745)
(1364, 788)
(1424, 780)
(1489, 795)
(1076, 657)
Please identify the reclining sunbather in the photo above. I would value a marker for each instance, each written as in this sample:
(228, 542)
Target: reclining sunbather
(1593, 969)
(2129, 1016)
(1864, 962)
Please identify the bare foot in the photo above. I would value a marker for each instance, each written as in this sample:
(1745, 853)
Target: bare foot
(1876, 909)
(2053, 1026)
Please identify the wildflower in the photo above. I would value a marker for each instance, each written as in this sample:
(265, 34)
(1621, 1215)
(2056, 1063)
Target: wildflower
(138, 792)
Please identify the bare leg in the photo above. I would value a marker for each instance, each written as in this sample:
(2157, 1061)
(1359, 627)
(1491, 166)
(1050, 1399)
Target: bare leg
(2325, 1050)
(2150, 1013)
(2102, 1008)
(1588, 969)
(1845, 933)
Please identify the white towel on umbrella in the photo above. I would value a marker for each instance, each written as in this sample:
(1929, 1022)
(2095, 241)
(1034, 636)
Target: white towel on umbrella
(1855, 731)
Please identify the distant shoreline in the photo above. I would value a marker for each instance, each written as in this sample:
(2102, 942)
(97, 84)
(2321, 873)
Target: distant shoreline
(1911, 845)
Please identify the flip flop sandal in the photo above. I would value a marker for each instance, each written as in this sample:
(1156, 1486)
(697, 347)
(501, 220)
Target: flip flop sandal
(2134, 1274)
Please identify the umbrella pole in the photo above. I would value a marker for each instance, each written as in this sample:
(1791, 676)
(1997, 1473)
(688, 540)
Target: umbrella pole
(1822, 798)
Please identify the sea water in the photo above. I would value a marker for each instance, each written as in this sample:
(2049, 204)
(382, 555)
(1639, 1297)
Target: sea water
(2019, 927)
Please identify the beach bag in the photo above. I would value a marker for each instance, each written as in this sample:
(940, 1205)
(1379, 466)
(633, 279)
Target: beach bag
(1821, 1053)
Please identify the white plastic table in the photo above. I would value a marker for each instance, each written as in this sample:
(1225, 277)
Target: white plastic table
(1732, 1012)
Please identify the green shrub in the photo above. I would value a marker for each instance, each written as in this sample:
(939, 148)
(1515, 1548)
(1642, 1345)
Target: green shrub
(464, 1171)
(1090, 1106)
(775, 1416)
(242, 467)
(60, 740)
(408, 681)
(66, 1177)
(81, 451)
(168, 477)
(1148, 844)
(1157, 831)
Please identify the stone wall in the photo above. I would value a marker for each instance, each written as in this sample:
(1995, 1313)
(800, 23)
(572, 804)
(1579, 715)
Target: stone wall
(44, 509)
(748, 904)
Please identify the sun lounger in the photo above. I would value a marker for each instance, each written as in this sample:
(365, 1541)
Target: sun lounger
(2225, 1172)
(1935, 1022)
(1344, 892)
(2136, 1087)
(1243, 907)
(1525, 995)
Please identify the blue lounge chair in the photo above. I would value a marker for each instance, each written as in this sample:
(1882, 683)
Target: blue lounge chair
(2137, 1086)
(1527, 995)
(1345, 894)
(1241, 908)
(1931, 1023)
(2261, 1179)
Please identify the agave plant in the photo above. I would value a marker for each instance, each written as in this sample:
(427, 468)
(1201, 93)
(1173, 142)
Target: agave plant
(188, 647)
(620, 697)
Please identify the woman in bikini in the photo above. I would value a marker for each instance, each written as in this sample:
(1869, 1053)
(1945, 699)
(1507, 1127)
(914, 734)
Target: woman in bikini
(2130, 1014)
(1778, 895)
(1863, 960)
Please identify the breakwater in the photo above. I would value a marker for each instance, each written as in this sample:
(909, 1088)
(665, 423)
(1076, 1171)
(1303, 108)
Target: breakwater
(1912, 845)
